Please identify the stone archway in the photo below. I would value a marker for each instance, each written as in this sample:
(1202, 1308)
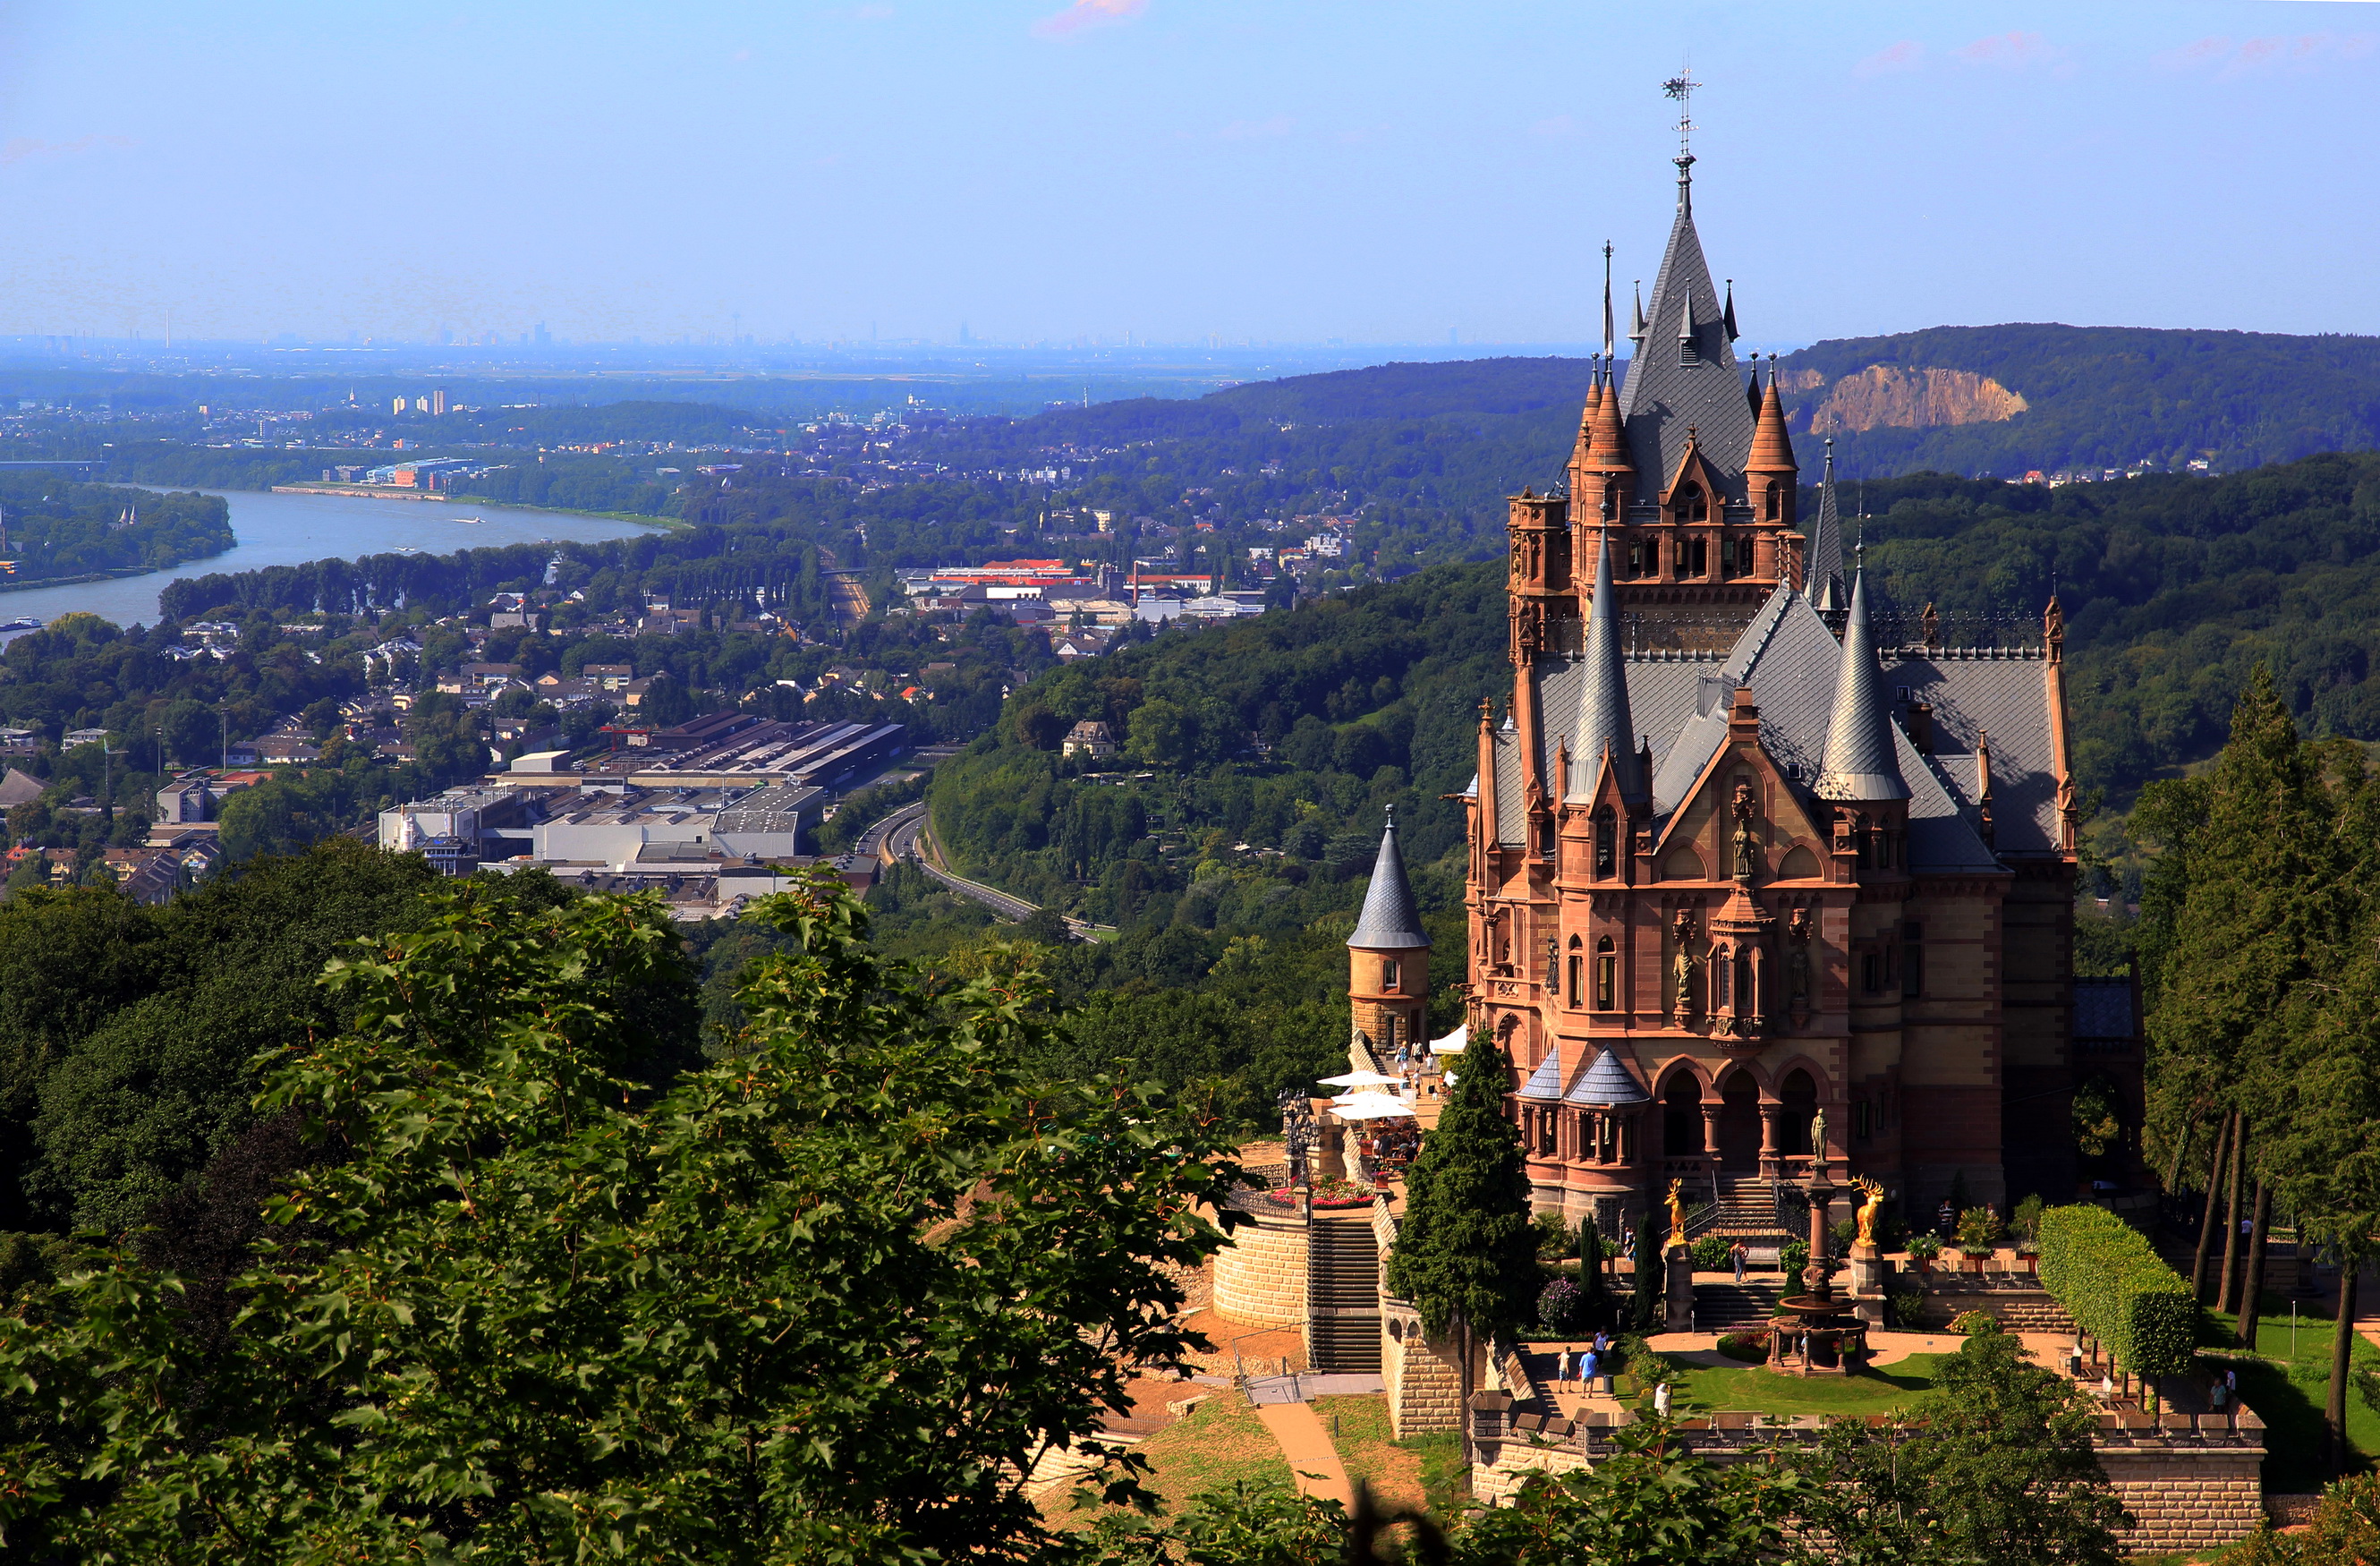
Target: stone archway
(1681, 1117)
(1739, 1123)
(1799, 1095)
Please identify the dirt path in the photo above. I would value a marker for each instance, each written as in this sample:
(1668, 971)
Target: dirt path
(1307, 1446)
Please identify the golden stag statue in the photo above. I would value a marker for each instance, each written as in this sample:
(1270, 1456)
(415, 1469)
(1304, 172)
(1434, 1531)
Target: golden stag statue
(1677, 1214)
(1875, 1195)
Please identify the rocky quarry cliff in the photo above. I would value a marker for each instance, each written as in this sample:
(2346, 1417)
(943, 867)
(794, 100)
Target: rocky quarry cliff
(1890, 396)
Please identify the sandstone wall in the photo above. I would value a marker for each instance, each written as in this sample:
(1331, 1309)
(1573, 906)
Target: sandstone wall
(1423, 1379)
(1260, 1276)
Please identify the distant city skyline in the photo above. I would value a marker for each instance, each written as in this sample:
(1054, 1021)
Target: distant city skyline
(1061, 174)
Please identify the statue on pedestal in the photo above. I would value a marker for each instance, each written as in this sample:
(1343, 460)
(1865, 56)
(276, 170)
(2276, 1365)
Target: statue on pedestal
(1818, 1146)
(1677, 1214)
(1875, 1195)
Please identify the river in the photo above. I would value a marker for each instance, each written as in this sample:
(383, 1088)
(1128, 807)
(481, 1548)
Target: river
(274, 529)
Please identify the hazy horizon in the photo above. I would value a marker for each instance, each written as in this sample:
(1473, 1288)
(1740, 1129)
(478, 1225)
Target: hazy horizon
(1048, 173)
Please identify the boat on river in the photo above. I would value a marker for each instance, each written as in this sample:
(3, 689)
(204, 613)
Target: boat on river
(22, 623)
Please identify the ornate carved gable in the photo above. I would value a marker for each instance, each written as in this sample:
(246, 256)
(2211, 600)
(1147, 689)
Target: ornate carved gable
(1707, 818)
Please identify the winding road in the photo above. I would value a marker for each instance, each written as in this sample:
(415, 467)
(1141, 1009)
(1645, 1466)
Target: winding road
(903, 835)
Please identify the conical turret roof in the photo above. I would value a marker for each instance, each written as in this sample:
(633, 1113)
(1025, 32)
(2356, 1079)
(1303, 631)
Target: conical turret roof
(1605, 725)
(1606, 1082)
(1822, 568)
(1862, 763)
(1389, 921)
(1772, 444)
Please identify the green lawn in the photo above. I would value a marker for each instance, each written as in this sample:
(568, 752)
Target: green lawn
(2290, 1398)
(1222, 1441)
(1757, 1389)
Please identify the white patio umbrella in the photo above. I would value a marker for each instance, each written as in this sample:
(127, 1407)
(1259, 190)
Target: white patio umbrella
(1372, 1105)
(1361, 1079)
(1453, 1044)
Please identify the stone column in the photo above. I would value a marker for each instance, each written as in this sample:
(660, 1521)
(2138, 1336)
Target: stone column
(1679, 1318)
(1772, 1164)
(1711, 1112)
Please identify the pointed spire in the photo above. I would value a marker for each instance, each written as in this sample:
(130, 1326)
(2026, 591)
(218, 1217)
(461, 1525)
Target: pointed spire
(1728, 317)
(1607, 343)
(1772, 444)
(1637, 326)
(1862, 763)
(1389, 921)
(1605, 726)
(1822, 567)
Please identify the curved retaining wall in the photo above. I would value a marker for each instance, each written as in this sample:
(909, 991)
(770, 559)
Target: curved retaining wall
(1260, 1276)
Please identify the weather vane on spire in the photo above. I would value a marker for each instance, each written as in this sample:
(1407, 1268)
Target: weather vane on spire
(1681, 87)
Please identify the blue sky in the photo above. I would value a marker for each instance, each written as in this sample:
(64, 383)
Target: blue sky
(1281, 170)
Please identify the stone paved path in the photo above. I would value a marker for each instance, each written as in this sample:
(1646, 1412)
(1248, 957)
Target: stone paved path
(1307, 1444)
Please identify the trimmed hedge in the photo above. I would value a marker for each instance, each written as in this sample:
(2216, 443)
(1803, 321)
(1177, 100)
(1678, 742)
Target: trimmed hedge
(2118, 1290)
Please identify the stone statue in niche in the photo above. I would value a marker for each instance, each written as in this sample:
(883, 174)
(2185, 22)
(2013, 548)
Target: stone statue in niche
(1933, 623)
(1798, 964)
(1682, 969)
(1747, 850)
(1818, 1139)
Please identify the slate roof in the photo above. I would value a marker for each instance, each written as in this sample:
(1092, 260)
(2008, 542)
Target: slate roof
(2103, 1009)
(1660, 397)
(1791, 662)
(1546, 1081)
(1389, 921)
(1606, 1082)
(1822, 570)
(1605, 722)
(1861, 762)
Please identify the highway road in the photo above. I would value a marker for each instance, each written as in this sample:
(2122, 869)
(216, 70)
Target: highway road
(904, 837)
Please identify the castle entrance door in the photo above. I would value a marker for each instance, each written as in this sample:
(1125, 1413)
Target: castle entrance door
(1739, 1124)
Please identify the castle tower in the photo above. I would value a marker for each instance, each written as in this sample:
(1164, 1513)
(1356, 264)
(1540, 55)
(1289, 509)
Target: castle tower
(1387, 964)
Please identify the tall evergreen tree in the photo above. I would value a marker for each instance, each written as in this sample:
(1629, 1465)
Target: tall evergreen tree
(2254, 910)
(1466, 1251)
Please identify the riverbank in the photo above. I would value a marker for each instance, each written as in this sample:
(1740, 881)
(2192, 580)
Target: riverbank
(384, 491)
(273, 528)
(113, 573)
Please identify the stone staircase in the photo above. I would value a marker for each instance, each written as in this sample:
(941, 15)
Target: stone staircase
(1746, 1210)
(1730, 1307)
(1343, 1295)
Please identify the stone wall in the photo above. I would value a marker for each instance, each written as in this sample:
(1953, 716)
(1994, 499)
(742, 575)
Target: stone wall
(1260, 1276)
(2018, 1310)
(1423, 1379)
(2186, 1500)
(2191, 1483)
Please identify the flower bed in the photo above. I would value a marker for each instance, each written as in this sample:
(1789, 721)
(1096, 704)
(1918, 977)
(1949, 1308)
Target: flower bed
(1327, 1192)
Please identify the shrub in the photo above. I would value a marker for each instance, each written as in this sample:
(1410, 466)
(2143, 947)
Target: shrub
(1974, 1323)
(1553, 1236)
(1710, 1253)
(2027, 1220)
(1559, 1303)
(1750, 1347)
(1924, 1247)
(1793, 1255)
(1979, 1229)
(2118, 1289)
(1908, 1308)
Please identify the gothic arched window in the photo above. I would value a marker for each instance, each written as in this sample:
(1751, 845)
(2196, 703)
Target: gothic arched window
(1606, 975)
(1606, 840)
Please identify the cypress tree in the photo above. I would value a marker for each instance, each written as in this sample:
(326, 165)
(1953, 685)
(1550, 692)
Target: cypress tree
(1642, 1303)
(1590, 1268)
(1466, 1252)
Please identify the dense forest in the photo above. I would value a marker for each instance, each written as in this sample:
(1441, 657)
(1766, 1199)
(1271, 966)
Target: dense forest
(51, 526)
(2109, 396)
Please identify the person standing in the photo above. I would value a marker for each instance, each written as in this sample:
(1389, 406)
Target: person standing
(1738, 1254)
(1589, 1367)
(1661, 1401)
(1561, 1375)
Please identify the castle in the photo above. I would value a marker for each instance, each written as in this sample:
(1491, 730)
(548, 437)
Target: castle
(1746, 857)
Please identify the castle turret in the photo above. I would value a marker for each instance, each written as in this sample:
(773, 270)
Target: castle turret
(1387, 964)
